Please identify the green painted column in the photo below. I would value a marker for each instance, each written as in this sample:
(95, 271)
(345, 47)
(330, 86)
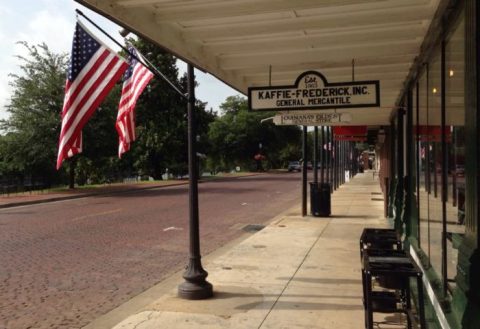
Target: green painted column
(409, 179)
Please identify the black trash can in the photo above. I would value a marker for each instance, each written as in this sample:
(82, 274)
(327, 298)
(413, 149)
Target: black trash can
(320, 202)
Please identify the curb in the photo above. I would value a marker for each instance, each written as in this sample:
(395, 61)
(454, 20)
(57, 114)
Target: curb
(87, 195)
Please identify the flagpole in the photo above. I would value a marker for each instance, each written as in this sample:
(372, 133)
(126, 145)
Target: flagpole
(149, 65)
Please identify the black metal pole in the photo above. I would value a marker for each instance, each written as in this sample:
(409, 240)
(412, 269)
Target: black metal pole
(315, 154)
(332, 160)
(304, 172)
(347, 158)
(435, 179)
(344, 161)
(328, 154)
(322, 177)
(342, 172)
(195, 285)
(444, 179)
(418, 148)
(352, 159)
(340, 163)
(335, 165)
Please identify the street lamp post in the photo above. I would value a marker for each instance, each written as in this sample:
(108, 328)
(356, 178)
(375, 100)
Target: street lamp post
(195, 286)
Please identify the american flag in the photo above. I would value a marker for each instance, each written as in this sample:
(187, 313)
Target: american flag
(94, 68)
(135, 80)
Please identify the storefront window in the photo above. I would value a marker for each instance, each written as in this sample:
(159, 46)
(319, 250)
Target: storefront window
(455, 126)
(433, 139)
(428, 130)
(415, 149)
(423, 157)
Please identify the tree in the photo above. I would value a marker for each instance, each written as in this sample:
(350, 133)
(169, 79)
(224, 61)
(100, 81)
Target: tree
(162, 120)
(239, 135)
(29, 146)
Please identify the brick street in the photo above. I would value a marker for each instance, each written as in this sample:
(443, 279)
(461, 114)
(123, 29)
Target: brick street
(65, 263)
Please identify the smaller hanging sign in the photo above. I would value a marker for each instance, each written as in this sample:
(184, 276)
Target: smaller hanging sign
(311, 119)
(312, 91)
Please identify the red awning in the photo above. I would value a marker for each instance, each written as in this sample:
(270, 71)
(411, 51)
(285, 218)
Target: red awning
(431, 130)
(351, 138)
(350, 130)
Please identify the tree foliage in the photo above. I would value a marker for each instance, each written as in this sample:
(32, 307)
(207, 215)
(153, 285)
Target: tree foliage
(29, 146)
(29, 138)
(162, 120)
(238, 135)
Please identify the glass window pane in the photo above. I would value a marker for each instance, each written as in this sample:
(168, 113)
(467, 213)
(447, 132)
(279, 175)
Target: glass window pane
(416, 153)
(455, 122)
(433, 136)
(423, 168)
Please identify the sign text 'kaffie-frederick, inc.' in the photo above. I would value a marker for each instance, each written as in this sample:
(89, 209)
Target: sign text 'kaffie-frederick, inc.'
(312, 91)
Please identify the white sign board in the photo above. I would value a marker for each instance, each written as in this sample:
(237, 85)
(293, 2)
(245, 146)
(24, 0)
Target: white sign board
(311, 119)
(312, 91)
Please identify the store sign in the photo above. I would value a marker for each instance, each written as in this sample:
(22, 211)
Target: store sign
(432, 133)
(312, 91)
(311, 119)
(350, 131)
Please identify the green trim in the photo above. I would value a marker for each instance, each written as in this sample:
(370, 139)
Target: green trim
(446, 303)
(462, 308)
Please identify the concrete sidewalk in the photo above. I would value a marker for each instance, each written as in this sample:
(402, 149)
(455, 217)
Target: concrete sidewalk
(296, 273)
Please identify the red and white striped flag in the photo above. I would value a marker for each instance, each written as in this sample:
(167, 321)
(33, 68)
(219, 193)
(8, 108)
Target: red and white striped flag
(135, 80)
(94, 68)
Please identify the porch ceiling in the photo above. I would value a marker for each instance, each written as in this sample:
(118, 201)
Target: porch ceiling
(237, 41)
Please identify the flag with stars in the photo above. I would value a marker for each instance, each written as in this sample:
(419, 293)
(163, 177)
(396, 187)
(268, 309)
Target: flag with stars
(93, 71)
(135, 80)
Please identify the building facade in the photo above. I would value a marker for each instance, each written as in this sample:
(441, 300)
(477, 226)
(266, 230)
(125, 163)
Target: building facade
(433, 165)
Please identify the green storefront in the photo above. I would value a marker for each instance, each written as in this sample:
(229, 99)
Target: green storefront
(434, 139)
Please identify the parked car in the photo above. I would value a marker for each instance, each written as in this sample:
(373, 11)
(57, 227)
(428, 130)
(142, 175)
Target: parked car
(294, 166)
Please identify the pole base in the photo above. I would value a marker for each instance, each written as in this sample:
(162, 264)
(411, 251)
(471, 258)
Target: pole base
(195, 290)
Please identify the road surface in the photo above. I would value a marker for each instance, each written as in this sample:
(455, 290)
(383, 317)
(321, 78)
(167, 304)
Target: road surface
(63, 264)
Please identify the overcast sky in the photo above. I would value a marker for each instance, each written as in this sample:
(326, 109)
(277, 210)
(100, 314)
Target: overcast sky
(52, 22)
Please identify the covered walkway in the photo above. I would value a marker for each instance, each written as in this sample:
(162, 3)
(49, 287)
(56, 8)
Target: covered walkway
(295, 273)
(424, 57)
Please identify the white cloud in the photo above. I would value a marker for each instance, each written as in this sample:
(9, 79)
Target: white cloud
(45, 27)
(4, 10)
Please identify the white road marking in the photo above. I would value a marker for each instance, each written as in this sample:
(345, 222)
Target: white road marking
(98, 214)
(172, 228)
